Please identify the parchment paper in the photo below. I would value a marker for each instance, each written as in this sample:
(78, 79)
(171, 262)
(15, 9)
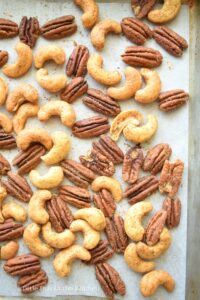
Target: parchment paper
(173, 129)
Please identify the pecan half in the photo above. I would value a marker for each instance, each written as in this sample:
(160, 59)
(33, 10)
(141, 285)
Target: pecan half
(22, 265)
(141, 8)
(155, 158)
(139, 56)
(77, 63)
(102, 103)
(29, 31)
(75, 196)
(132, 164)
(141, 189)
(59, 28)
(172, 100)
(7, 141)
(8, 28)
(32, 282)
(173, 209)
(77, 173)
(90, 127)
(18, 187)
(100, 253)
(3, 58)
(75, 89)
(155, 227)
(110, 280)
(170, 178)
(4, 165)
(105, 202)
(10, 230)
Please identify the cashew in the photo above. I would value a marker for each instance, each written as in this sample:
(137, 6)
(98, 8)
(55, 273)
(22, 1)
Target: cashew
(108, 183)
(135, 262)
(5, 123)
(3, 194)
(93, 216)
(152, 280)
(133, 220)
(51, 83)
(168, 11)
(91, 236)
(64, 259)
(3, 90)
(91, 12)
(57, 240)
(20, 94)
(24, 112)
(9, 250)
(22, 64)
(94, 67)
(58, 108)
(132, 84)
(15, 211)
(49, 52)
(152, 89)
(101, 29)
(48, 181)
(36, 207)
(34, 243)
(28, 136)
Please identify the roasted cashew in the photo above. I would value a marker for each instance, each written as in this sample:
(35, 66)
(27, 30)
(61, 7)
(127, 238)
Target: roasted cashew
(152, 280)
(3, 194)
(14, 210)
(50, 180)
(152, 89)
(168, 12)
(49, 52)
(95, 69)
(93, 216)
(28, 136)
(5, 123)
(110, 184)
(58, 108)
(3, 90)
(64, 259)
(22, 93)
(91, 12)
(51, 83)
(9, 250)
(135, 262)
(22, 64)
(25, 111)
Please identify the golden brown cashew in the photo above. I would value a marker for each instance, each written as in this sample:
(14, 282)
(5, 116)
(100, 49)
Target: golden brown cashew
(49, 52)
(22, 64)
(3, 195)
(3, 90)
(25, 111)
(9, 250)
(108, 183)
(14, 210)
(168, 11)
(93, 216)
(35, 135)
(22, 93)
(91, 12)
(51, 83)
(64, 259)
(152, 280)
(58, 108)
(5, 123)
(95, 69)
(91, 236)
(50, 180)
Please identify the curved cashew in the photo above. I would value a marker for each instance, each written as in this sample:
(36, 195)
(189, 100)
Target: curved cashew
(3, 90)
(36, 207)
(5, 123)
(57, 240)
(110, 184)
(20, 94)
(15, 211)
(9, 250)
(3, 194)
(168, 11)
(101, 29)
(25, 111)
(152, 280)
(49, 52)
(50, 180)
(135, 262)
(91, 236)
(95, 69)
(152, 89)
(58, 108)
(22, 64)
(132, 84)
(91, 12)
(93, 216)
(51, 83)
(34, 243)
(28, 136)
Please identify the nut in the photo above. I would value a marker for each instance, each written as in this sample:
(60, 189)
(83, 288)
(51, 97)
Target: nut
(24, 112)
(3, 90)
(155, 227)
(3, 195)
(105, 202)
(22, 265)
(9, 250)
(172, 100)
(141, 8)
(15, 211)
(7, 141)
(47, 53)
(110, 184)
(51, 83)
(5, 123)
(173, 209)
(75, 89)
(8, 28)
(93, 216)
(33, 282)
(77, 63)
(166, 13)
(132, 164)
(29, 31)
(91, 12)
(3, 57)
(100, 253)
(10, 230)
(4, 167)
(49, 180)
(75, 196)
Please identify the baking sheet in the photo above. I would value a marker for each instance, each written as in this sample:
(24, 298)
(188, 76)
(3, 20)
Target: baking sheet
(173, 129)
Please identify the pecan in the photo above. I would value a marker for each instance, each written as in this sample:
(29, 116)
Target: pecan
(116, 234)
(139, 56)
(75, 196)
(59, 28)
(7, 141)
(75, 89)
(18, 187)
(10, 230)
(141, 189)
(135, 30)
(172, 100)
(171, 41)
(110, 280)
(170, 178)
(8, 28)
(155, 158)
(105, 202)
(22, 265)
(90, 127)
(32, 282)
(3, 58)
(77, 63)
(29, 159)
(60, 214)
(77, 173)
(100, 253)
(155, 227)
(102, 103)
(132, 163)
(173, 209)
(141, 8)
(29, 31)
(4, 165)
